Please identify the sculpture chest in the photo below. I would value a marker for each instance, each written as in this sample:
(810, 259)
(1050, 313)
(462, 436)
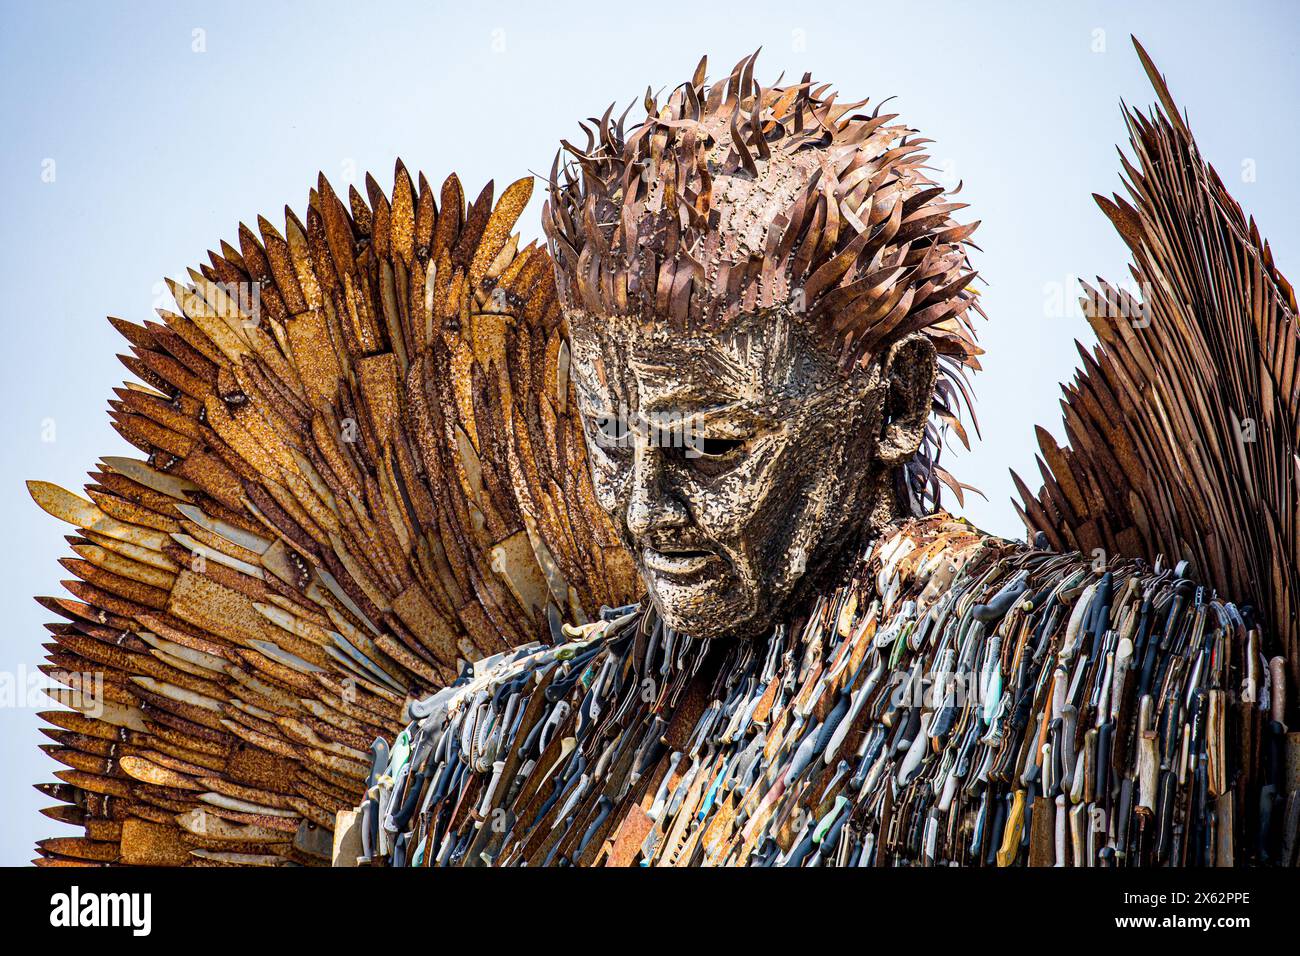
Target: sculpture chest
(960, 699)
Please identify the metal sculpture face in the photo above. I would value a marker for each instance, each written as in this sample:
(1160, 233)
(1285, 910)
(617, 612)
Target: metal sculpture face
(757, 282)
(740, 464)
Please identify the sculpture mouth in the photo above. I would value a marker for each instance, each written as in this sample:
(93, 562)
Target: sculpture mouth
(676, 562)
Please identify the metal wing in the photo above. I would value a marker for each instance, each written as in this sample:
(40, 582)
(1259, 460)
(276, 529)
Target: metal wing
(363, 469)
(1182, 423)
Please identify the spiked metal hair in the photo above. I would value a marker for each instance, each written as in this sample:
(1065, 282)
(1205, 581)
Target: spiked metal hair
(734, 198)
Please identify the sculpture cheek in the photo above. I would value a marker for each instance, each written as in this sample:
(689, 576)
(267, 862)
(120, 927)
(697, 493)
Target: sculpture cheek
(727, 509)
(610, 482)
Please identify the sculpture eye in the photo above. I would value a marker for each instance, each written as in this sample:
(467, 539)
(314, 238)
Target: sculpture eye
(611, 432)
(717, 447)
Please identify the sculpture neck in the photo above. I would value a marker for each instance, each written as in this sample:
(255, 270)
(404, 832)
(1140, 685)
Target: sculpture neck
(885, 504)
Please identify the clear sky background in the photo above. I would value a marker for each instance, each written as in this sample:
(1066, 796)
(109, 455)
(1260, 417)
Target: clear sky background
(166, 124)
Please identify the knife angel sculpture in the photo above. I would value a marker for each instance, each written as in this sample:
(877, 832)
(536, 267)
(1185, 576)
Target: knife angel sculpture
(365, 469)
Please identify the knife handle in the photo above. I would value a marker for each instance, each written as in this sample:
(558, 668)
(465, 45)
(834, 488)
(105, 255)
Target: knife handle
(1277, 689)
(1062, 819)
(1012, 832)
(1165, 816)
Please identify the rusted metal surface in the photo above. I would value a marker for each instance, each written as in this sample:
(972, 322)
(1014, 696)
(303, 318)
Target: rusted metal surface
(362, 468)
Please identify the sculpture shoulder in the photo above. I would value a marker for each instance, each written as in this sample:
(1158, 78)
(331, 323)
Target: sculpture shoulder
(941, 569)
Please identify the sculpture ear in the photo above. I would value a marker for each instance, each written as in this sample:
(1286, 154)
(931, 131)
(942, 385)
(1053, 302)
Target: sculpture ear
(910, 368)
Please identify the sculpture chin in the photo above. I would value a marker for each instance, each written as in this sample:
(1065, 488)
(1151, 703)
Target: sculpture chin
(699, 593)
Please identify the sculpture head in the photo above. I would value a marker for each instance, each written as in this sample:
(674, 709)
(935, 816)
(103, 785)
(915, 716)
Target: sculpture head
(762, 289)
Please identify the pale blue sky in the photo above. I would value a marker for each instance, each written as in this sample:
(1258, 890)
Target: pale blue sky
(159, 151)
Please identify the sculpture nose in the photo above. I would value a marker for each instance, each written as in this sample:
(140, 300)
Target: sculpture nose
(652, 506)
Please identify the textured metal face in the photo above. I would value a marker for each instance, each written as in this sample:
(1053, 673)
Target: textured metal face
(735, 463)
(731, 198)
